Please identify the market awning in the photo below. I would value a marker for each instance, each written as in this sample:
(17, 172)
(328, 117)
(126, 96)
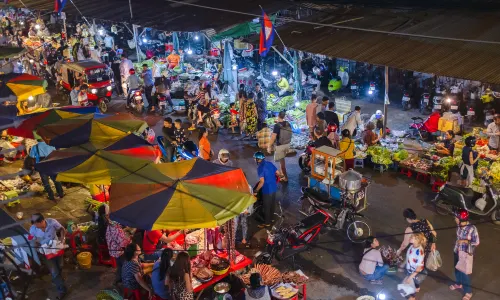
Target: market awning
(8, 52)
(240, 30)
(459, 59)
(164, 15)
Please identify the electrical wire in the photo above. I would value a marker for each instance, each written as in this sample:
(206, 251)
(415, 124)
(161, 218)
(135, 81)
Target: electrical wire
(338, 26)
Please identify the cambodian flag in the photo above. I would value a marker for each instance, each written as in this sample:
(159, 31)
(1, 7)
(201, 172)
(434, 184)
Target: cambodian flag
(59, 5)
(266, 34)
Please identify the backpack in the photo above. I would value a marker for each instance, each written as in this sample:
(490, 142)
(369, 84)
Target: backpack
(285, 134)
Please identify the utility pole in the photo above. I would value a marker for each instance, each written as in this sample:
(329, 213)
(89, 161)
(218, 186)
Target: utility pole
(386, 99)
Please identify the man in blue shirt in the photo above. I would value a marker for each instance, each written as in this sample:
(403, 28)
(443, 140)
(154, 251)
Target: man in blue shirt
(44, 231)
(267, 185)
(147, 77)
(74, 95)
(39, 152)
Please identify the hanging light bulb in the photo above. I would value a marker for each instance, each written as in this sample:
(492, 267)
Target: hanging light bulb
(30, 98)
(189, 51)
(196, 37)
(144, 40)
(274, 73)
(235, 66)
(37, 26)
(101, 32)
(297, 104)
(21, 23)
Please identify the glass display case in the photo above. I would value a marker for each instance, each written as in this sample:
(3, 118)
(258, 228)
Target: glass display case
(326, 165)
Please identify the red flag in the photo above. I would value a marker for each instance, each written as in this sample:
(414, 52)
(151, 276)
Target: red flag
(266, 34)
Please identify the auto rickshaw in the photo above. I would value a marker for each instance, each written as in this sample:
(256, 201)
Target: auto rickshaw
(96, 75)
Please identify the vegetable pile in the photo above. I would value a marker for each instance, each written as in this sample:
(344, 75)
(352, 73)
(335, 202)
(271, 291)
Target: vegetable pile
(400, 155)
(276, 105)
(380, 155)
(495, 172)
(442, 170)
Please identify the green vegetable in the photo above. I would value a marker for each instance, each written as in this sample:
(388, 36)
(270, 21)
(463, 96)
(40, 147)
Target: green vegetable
(481, 164)
(380, 155)
(495, 172)
(282, 104)
(400, 155)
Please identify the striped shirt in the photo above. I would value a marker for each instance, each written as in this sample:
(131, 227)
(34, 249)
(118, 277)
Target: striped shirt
(470, 233)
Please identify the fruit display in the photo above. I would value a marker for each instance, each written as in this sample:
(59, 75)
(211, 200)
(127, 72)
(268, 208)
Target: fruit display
(482, 167)
(270, 275)
(495, 172)
(417, 163)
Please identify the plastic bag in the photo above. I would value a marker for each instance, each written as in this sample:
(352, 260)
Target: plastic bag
(434, 261)
(406, 289)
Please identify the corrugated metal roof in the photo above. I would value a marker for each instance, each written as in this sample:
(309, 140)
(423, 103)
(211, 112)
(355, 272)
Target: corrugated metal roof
(163, 15)
(443, 57)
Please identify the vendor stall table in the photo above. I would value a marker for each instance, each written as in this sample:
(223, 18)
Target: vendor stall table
(234, 267)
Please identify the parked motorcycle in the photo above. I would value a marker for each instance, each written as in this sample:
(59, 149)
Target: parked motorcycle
(372, 91)
(417, 129)
(406, 101)
(162, 102)
(424, 103)
(284, 242)
(354, 89)
(211, 120)
(440, 93)
(136, 102)
(451, 198)
(186, 151)
(305, 158)
(342, 215)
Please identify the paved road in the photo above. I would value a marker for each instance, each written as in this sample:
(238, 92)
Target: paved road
(332, 264)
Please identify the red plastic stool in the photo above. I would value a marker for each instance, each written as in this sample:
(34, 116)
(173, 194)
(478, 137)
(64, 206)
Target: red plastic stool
(422, 177)
(405, 172)
(104, 258)
(131, 294)
(73, 243)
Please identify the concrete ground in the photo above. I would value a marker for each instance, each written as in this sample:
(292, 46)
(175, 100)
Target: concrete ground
(333, 261)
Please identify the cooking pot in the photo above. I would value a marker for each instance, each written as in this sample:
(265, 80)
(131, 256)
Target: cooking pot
(350, 180)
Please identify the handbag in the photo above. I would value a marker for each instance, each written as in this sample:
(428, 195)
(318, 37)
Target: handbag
(465, 261)
(434, 261)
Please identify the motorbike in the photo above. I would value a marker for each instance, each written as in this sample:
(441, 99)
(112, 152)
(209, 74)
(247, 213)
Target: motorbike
(186, 151)
(305, 158)
(450, 198)
(162, 102)
(136, 103)
(417, 129)
(342, 214)
(211, 120)
(372, 91)
(424, 103)
(406, 101)
(354, 89)
(286, 241)
(440, 93)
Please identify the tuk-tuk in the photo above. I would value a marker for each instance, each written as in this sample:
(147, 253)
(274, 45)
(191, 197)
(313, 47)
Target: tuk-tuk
(96, 75)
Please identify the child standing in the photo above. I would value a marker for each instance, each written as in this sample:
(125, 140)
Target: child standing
(233, 122)
(179, 134)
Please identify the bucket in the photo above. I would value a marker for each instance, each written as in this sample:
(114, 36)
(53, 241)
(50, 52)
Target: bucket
(84, 260)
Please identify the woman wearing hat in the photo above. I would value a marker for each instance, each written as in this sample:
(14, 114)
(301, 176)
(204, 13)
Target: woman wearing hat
(257, 291)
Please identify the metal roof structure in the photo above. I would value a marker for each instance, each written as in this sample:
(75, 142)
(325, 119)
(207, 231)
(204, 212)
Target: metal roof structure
(459, 59)
(161, 14)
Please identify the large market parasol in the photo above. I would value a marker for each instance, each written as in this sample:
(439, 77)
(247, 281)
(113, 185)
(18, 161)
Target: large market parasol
(92, 127)
(18, 87)
(182, 195)
(26, 128)
(98, 163)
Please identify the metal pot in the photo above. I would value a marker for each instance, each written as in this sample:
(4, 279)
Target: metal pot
(350, 180)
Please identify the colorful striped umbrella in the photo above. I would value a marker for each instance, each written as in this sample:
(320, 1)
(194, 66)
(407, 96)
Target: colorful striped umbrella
(182, 195)
(26, 128)
(93, 127)
(21, 86)
(79, 164)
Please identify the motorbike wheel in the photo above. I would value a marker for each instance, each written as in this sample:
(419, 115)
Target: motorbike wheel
(439, 209)
(358, 231)
(495, 217)
(103, 107)
(304, 164)
(405, 106)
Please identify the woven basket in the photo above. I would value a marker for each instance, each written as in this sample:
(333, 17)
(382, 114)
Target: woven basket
(108, 295)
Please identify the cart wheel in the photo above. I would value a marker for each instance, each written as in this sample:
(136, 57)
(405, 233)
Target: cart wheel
(358, 231)
(103, 106)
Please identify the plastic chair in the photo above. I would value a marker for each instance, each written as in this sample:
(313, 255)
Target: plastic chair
(131, 294)
(380, 167)
(104, 258)
(359, 162)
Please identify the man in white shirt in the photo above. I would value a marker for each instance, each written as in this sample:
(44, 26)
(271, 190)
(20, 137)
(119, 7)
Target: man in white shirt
(353, 121)
(156, 69)
(95, 54)
(493, 131)
(109, 42)
(125, 67)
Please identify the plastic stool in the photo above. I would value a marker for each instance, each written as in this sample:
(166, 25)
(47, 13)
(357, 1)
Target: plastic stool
(359, 162)
(380, 167)
(104, 258)
(131, 294)
(405, 172)
(422, 177)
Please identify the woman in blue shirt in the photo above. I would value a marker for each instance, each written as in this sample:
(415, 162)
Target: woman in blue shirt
(159, 275)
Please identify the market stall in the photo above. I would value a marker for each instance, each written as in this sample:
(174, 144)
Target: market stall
(25, 91)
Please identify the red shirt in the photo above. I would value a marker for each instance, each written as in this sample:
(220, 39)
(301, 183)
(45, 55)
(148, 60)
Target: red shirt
(151, 239)
(432, 123)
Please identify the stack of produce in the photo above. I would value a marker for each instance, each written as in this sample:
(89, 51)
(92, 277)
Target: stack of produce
(417, 164)
(442, 167)
(276, 104)
(400, 155)
(495, 172)
(380, 155)
(294, 277)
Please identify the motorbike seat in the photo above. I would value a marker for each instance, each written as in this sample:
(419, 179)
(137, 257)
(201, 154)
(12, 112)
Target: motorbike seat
(309, 222)
(319, 197)
(468, 195)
